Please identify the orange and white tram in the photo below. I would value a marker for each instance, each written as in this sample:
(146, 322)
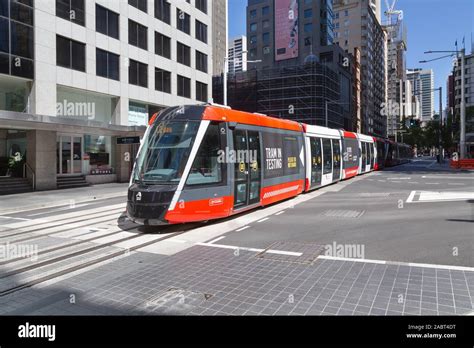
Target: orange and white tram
(203, 162)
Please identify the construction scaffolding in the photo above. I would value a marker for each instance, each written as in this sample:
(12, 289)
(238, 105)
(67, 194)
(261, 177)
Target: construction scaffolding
(299, 93)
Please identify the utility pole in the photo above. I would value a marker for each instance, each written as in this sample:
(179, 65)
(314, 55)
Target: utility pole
(462, 142)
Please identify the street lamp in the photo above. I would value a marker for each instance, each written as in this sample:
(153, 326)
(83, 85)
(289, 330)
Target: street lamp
(326, 103)
(462, 140)
(226, 67)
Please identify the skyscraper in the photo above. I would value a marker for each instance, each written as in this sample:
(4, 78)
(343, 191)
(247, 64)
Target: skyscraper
(356, 26)
(219, 35)
(423, 83)
(238, 55)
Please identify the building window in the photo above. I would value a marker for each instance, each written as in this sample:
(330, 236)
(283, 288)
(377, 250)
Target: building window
(253, 27)
(137, 35)
(201, 91)
(183, 53)
(346, 13)
(71, 10)
(266, 23)
(183, 21)
(265, 10)
(184, 86)
(253, 39)
(162, 10)
(308, 13)
(107, 22)
(162, 80)
(336, 15)
(308, 27)
(107, 64)
(138, 73)
(201, 5)
(253, 53)
(140, 4)
(307, 41)
(266, 38)
(266, 50)
(201, 61)
(337, 25)
(346, 22)
(201, 31)
(253, 13)
(21, 11)
(162, 45)
(70, 54)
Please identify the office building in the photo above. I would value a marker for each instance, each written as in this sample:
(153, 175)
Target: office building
(356, 26)
(238, 55)
(75, 75)
(422, 82)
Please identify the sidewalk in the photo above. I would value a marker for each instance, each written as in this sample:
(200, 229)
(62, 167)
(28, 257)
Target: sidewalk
(44, 199)
(445, 167)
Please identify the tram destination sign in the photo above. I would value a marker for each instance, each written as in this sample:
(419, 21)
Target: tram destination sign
(128, 140)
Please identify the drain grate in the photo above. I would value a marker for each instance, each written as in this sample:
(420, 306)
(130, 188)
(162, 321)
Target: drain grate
(288, 252)
(344, 213)
(176, 301)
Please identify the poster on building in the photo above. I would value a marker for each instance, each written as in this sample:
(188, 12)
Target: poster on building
(286, 29)
(137, 115)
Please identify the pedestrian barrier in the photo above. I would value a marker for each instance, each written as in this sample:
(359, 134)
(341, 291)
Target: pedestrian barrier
(462, 164)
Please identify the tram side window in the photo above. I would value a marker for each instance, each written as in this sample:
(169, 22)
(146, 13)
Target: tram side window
(206, 168)
(364, 152)
(327, 155)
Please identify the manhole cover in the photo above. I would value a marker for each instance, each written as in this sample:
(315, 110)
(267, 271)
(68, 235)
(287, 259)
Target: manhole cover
(296, 252)
(176, 301)
(344, 213)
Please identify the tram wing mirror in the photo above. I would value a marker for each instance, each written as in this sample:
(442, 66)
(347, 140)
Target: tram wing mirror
(232, 125)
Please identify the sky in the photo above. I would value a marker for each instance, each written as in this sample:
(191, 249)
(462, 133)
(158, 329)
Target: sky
(431, 25)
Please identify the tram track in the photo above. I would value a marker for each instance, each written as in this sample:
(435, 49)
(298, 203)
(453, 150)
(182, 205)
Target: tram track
(82, 265)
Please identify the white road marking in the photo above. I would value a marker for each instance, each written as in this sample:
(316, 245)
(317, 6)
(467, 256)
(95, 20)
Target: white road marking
(432, 183)
(215, 240)
(432, 196)
(411, 196)
(381, 180)
(456, 184)
(264, 219)
(448, 177)
(242, 228)
(400, 178)
(413, 182)
(270, 251)
(280, 212)
(411, 264)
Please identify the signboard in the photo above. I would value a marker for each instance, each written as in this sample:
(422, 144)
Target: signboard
(137, 116)
(286, 29)
(128, 140)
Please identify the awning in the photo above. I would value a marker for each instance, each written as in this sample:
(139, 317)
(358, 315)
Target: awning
(20, 120)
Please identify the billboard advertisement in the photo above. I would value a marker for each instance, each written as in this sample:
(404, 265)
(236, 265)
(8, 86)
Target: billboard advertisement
(286, 29)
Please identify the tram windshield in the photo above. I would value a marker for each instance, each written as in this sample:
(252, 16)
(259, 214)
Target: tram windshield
(165, 152)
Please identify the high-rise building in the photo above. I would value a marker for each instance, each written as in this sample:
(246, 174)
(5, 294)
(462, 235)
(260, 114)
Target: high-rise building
(284, 32)
(356, 26)
(396, 74)
(422, 82)
(238, 55)
(219, 35)
(75, 75)
(296, 35)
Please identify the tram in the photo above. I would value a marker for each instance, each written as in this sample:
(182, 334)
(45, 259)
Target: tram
(204, 162)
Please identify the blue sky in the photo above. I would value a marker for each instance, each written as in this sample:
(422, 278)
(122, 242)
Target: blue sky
(431, 25)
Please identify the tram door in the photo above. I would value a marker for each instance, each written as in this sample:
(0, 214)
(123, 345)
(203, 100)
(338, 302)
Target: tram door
(247, 168)
(336, 155)
(316, 161)
(327, 162)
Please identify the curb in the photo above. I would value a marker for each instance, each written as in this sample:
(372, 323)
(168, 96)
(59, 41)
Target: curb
(60, 203)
